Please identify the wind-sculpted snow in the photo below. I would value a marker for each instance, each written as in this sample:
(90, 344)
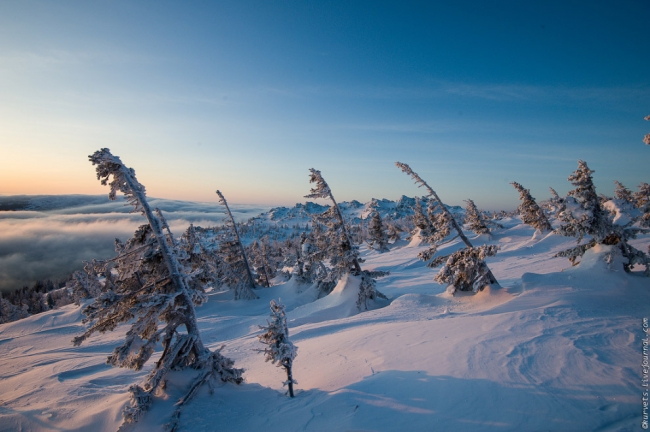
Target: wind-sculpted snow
(557, 348)
(49, 237)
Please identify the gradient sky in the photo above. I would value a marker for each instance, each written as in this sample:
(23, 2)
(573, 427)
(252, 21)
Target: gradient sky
(246, 96)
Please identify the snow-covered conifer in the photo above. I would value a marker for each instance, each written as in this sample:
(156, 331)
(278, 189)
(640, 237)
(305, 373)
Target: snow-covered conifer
(423, 225)
(10, 312)
(200, 260)
(150, 291)
(314, 250)
(378, 239)
(235, 256)
(322, 190)
(465, 269)
(457, 264)
(441, 222)
(622, 193)
(280, 349)
(642, 202)
(393, 231)
(554, 205)
(646, 139)
(263, 261)
(85, 284)
(531, 213)
(342, 253)
(474, 220)
(584, 216)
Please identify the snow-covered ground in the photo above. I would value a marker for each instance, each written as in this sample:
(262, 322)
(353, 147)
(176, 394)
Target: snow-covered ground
(557, 348)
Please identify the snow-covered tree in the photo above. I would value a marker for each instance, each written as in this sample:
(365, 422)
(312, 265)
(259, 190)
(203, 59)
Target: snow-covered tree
(457, 262)
(474, 220)
(314, 252)
(235, 256)
(584, 216)
(151, 292)
(531, 214)
(393, 231)
(335, 219)
(86, 284)
(281, 351)
(263, 260)
(441, 222)
(646, 139)
(423, 225)
(342, 253)
(642, 202)
(10, 312)
(622, 193)
(465, 269)
(200, 258)
(377, 238)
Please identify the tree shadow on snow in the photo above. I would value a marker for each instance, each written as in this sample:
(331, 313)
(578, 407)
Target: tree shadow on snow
(413, 401)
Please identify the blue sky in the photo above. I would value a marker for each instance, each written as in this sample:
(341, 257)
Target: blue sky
(245, 97)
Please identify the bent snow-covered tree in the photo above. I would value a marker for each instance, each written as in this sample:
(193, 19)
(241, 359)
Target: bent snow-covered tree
(469, 261)
(585, 216)
(342, 253)
(531, 214)
(280, 349)
(151, 292)
(235, 256)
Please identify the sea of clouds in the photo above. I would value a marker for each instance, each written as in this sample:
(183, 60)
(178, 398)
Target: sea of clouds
(49, 237)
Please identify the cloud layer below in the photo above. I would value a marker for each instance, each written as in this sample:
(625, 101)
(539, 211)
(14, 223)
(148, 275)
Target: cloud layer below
(48, 237)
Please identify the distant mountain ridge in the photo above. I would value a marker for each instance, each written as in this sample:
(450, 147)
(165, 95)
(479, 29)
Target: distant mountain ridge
(353, 210)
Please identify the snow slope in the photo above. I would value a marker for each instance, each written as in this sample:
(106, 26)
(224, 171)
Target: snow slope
(557, 348)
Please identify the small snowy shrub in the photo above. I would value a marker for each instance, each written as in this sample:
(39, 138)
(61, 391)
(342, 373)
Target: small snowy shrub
(280, 349)
(465, 270)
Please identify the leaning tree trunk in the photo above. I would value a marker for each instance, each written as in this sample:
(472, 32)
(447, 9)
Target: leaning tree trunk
(139, 200)
(357, 267)
(249, 274)
(289, 379)
(407, 169)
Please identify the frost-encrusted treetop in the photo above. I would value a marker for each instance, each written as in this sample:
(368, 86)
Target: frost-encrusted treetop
(123, 178)
(322, 189)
